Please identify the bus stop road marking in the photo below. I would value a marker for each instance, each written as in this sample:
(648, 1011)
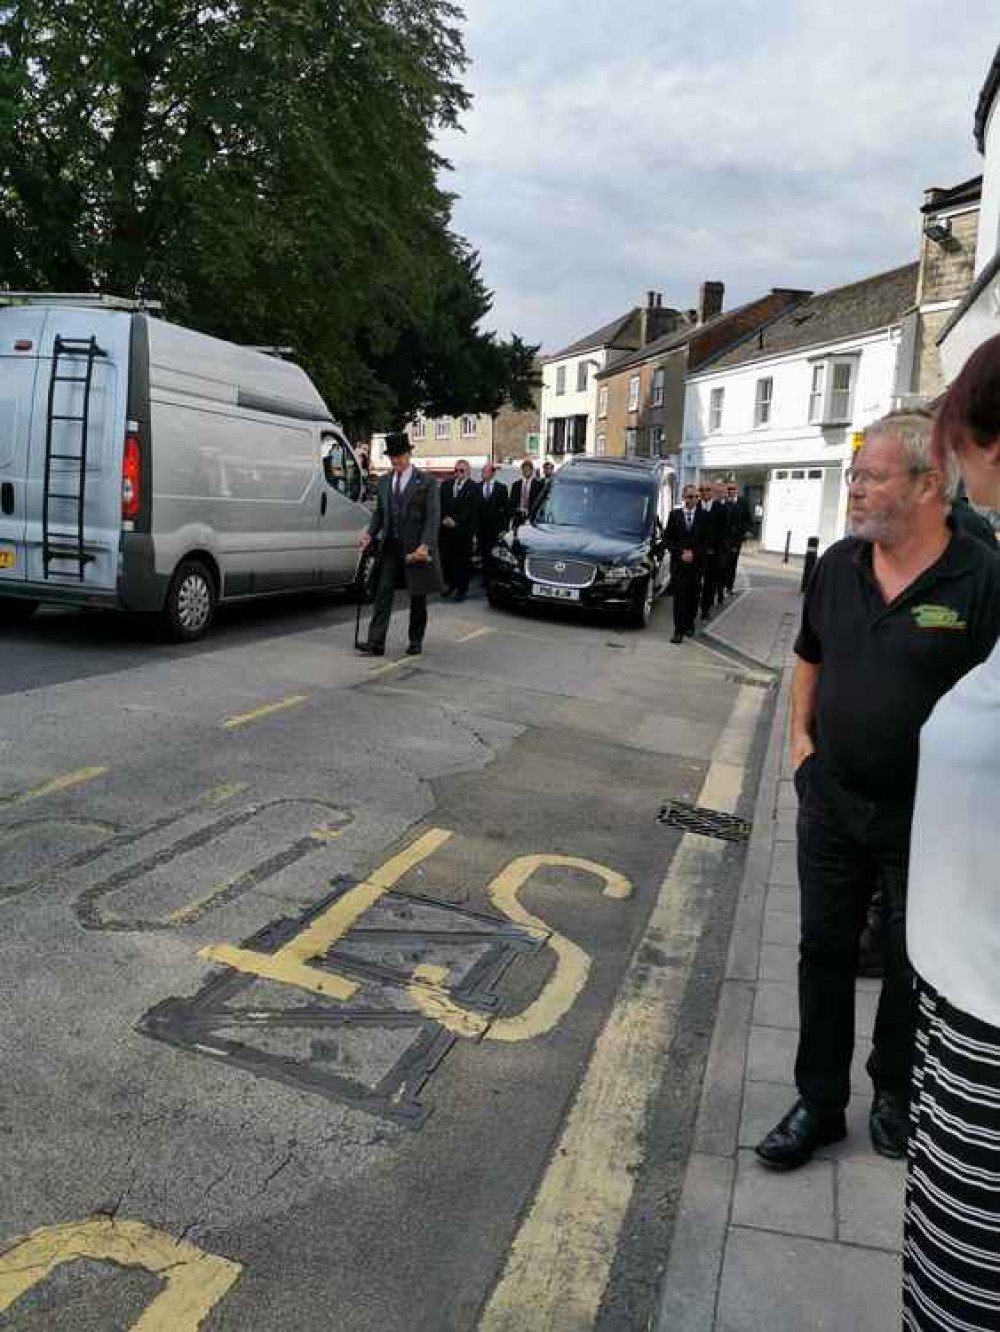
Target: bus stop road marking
(54, 786)
(194, 1281)
(267, 710)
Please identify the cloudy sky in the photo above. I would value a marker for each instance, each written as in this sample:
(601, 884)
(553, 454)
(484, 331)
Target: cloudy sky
(621, 145)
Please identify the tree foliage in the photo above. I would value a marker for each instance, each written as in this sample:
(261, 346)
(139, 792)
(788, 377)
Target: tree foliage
(268, 170)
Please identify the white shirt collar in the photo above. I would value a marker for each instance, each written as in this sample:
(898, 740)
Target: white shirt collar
(404, 477)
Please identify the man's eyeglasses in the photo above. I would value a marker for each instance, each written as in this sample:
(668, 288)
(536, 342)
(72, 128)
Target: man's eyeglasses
(865, 476)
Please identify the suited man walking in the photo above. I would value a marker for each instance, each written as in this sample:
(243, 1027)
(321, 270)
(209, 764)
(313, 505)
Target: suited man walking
(687, 540)
(527, 492)
(406, 521)
(739, 529)
(717, 551)
(494, 516)
(461, 502)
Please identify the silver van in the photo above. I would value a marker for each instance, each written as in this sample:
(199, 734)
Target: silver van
(150, 468)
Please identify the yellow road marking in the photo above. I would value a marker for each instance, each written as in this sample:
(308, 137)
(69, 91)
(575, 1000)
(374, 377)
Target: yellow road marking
(564, 986)
(194, 1281)
(268, 710)
(54, 786)
(477, 633)
(561, 1259)
(220, 794)
(290, 964)
(326, 834)
(384, 670)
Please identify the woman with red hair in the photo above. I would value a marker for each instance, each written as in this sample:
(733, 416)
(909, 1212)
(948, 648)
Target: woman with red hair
(952, 1246)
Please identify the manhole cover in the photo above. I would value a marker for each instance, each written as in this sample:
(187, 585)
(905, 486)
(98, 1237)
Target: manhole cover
(707, 822)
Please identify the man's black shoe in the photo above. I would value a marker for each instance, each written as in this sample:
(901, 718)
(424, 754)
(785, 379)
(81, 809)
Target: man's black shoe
(370, 649)
(791, 1143)
(446, 593)
(677, 638)
(414, 649)
(889, 1124)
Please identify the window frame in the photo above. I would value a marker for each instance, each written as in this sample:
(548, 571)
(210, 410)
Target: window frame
(631, 435)
(634, 389)
(582, 373)
(419, 428)
(763, 403)
(560, 381)
(601, 445)
(470, 433)
(817, 395)
(841, 363)
(442, 427)
(602, 402)
(716, 405)
(658, 389)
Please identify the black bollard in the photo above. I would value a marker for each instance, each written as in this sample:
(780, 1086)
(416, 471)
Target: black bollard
(788, 548)
(812, 555)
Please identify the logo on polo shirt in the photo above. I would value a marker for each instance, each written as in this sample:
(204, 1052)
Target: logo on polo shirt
(937, 617)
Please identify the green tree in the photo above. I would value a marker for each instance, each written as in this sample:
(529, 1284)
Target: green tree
(268, 170)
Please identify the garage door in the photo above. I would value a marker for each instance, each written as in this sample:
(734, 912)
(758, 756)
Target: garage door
(794, 504)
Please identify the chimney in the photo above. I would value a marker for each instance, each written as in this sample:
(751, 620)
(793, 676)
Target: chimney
(654, 320)
(710, 297)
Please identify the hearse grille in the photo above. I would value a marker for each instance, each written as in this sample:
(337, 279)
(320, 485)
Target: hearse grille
(563, 573)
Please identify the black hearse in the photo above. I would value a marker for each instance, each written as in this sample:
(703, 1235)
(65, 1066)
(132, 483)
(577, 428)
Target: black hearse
(595, 542)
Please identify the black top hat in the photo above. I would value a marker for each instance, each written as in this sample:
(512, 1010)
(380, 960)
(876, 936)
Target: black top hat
(396, 443)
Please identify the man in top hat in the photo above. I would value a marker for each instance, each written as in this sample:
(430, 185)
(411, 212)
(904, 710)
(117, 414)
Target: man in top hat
(407, 518)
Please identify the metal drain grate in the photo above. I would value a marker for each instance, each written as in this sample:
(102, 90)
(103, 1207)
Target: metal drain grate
(750, 681)
(707, 822)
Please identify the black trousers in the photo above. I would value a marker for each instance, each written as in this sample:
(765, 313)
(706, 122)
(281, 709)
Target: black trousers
(732, 563)
(847, 848)
(456, 557)
(392, 577)
(710, 581)
(686, 583)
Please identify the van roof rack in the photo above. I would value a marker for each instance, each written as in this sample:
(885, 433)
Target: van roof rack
(83, 298)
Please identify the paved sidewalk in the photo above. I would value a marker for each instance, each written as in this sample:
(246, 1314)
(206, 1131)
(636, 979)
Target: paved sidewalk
(816, 1250)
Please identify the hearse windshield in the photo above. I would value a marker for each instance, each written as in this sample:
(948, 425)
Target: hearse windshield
(611, 509)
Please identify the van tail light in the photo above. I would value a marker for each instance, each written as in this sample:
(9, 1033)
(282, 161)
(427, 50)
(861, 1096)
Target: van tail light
(131, 476)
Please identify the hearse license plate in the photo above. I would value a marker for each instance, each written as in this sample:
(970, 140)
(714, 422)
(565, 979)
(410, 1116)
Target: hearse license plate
(555, 593)
(8, 557)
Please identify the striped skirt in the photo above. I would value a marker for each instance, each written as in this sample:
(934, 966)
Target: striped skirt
(951, 1252)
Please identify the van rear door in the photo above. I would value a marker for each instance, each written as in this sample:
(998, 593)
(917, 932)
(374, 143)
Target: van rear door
(20, 335)
(53, 530)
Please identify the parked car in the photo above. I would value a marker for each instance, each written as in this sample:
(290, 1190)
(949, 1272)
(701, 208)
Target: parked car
(149, 468)
(597, 542)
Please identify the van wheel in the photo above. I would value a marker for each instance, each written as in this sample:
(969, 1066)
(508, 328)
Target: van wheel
(364, 584)
(190, 602)
(640, 612)
(15, 610)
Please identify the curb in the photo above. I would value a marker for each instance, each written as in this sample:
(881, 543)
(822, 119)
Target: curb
(690, 1287)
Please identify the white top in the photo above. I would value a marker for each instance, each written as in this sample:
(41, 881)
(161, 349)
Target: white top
(953, 912)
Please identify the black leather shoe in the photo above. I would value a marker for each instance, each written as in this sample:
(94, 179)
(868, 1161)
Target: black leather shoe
(414, 649)
(791, 1143)
(889, 1124)
(677, 638)
(370, 649)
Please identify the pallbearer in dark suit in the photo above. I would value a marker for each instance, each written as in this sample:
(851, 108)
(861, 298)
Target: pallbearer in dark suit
(717, 550)
(461, 503)
(493, 516)
(740, 524)
(687, 540)
(406, 521)
(527, 492)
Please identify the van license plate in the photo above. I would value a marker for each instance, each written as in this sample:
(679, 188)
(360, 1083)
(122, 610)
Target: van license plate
(8, 558)
(555, 593)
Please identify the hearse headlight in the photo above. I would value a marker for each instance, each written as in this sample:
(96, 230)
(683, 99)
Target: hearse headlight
(503, 555)
(623, 573)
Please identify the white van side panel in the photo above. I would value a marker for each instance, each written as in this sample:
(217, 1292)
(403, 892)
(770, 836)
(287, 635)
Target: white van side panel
(244, 486)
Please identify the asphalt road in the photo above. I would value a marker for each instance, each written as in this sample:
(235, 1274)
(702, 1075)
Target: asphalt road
(349, 994)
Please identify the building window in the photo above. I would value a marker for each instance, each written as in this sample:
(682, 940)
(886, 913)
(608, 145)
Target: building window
(561, 380)
(419, 428)
(633, 394)
(816, 394)
(602, 403)
(576, 434)
(602, 445)
(840, 394)
(582, 371)
(469, 426)
(715, 401)
(442, 427)
(630, 435)
(763, 401)
(657, 442)
(659, 386)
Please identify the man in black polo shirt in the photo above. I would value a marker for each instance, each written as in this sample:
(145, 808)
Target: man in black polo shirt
(895, 615)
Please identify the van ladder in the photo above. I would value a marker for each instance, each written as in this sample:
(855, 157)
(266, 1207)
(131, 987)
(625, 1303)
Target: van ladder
(64, 542)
